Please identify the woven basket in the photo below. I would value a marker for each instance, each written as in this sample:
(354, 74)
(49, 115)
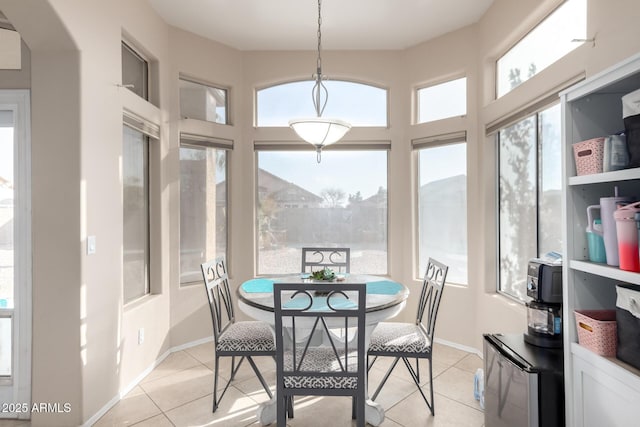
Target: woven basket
(589, 156)
(597, 331)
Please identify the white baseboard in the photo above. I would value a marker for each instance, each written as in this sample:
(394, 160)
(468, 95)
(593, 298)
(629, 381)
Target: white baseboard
(459, 347)
(191, 344)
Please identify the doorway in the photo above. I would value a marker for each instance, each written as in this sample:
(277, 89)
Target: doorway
(15, 254)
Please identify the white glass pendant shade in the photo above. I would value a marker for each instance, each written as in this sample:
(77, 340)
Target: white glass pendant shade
(320, 131)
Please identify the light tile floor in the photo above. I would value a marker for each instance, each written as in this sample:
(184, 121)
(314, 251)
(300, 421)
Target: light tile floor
(178, 393)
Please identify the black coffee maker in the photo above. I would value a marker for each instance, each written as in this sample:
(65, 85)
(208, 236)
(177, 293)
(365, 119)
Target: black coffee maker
(544, 312)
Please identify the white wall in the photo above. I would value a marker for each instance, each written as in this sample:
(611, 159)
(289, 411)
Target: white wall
(85, 343)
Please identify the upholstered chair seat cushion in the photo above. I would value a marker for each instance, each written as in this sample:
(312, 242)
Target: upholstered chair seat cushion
(399, 337)
(251, 336)
(320, 359)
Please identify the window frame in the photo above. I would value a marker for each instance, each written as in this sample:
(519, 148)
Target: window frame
(417, 145)
(227, 95)
(265, 146)
(146, 142)
(450, 79)
(512, 46)
(146, 75)
(194, 141)
(518, 118)
(151, 131)
(19, 101)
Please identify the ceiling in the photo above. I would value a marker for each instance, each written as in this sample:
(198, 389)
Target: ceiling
(346, 24)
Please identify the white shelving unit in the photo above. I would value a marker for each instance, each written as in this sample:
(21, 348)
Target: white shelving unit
(599, 391)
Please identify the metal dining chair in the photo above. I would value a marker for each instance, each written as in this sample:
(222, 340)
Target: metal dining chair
(318, 258)
(404, 341)
(335, 367)
(245, 339)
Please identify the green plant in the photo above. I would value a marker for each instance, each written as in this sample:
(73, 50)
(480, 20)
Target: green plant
(324, 274)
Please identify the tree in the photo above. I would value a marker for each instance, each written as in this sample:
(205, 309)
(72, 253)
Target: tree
(517, 195)
(355, 198)
(334, 197)
(267, 211)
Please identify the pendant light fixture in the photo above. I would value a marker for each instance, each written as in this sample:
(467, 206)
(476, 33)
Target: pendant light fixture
(319, 131)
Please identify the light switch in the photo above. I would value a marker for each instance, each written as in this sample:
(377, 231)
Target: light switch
(91, 245)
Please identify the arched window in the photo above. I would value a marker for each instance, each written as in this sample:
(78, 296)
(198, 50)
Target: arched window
(359, 104)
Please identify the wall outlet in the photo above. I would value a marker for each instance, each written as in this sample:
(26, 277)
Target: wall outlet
(140, 336)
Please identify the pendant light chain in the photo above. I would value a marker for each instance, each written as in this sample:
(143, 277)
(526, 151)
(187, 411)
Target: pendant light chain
(319, 61)
(319, 88)
(319, 131)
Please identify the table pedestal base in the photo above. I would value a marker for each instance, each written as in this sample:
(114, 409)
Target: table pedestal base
(267, 412)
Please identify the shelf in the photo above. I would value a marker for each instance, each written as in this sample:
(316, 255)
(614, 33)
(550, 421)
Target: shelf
(598, 390)
(609, 365)
(621, 175)
(605, 271)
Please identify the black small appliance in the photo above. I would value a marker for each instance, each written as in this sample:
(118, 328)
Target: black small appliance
(544, 312)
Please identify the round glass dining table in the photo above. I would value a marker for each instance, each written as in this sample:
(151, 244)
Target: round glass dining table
(385, 299)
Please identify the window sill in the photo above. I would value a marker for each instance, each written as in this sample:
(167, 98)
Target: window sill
(139, 302)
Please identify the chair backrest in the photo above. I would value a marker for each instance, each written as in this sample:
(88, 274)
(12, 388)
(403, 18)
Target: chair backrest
(216, 282)
(314, 259)
(432, 288)
(337, 313)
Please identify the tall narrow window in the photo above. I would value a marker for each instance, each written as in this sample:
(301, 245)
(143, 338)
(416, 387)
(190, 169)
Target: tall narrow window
(441, 101)
(341, 202)
(552, 39)
(135, 72)
(442, 208)
(203, 208)
(135, 181)
(529, 196)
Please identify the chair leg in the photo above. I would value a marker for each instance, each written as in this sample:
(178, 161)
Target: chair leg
(289, 406)
(370, 365)
(215, 384)
(354, 409)
(384, 380)
(281, 411)
(418, 369)
(415, 380)
(360, 402)
(259, 375)
(433, 402)
(216, 399)
(235, 370)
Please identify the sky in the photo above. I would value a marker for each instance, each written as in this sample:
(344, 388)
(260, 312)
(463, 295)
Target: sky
(442, 162)
(351, 171)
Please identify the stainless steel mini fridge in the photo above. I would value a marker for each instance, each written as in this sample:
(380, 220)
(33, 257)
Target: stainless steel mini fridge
(523, 384)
